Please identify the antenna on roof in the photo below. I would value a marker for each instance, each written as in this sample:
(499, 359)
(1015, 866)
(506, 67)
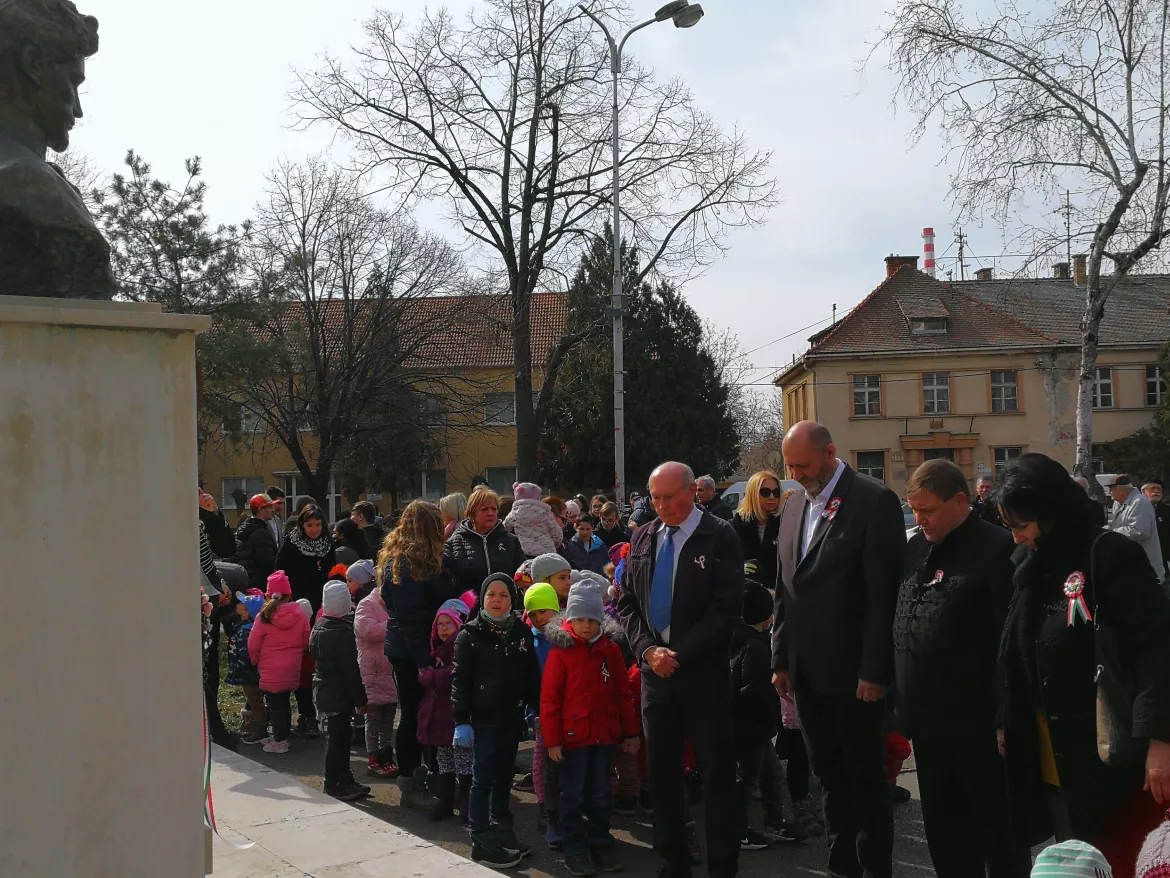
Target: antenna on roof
(834, 314)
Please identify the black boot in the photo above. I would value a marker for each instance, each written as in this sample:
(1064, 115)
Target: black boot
(445, 803)
(464, 796)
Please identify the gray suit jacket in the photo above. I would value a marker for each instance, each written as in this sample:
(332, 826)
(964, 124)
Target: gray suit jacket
(835, 605)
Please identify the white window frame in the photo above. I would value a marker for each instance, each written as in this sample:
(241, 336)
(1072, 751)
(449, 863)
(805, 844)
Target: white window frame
(871, 386)
(1008, 458)
(932, 391)
(1155, 385)
(868, 470)
(227, 483)
(1103, 388)
(1003, 385)
(250, 422)
(493, 413)
(928, 326)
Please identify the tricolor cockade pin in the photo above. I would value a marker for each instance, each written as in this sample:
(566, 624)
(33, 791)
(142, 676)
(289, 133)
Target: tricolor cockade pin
(1074, 590)
(831, 510)
(938, 578)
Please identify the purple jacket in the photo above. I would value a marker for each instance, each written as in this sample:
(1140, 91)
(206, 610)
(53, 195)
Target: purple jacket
(436, 723)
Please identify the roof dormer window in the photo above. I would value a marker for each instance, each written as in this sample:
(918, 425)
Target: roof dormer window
(928, 325)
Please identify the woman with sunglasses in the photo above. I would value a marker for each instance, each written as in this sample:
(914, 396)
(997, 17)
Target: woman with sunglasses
(757, 522)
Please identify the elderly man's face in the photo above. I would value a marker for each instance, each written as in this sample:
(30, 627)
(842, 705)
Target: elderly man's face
(809, 465)
(673, 497)
(1119, 493)
(984, 488)
(55, 102)
(1153, 493)
(704, 492)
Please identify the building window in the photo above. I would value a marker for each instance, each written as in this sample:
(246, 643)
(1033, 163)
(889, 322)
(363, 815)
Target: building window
(1003, 458)
(428, 484)
(248, 485)
(872, 463)
(867, 395)
(1103, 387)
(1155, 385)
(936, 393)
(1097, 458)
(250, 422)
(499, 410)
(928, 325)
(1005, 394)
(939, 454)
(500, 478)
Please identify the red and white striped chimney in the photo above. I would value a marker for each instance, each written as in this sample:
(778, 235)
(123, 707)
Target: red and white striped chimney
(928, 251)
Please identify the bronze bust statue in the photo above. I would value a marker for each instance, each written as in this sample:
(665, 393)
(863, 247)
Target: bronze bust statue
(49, 244)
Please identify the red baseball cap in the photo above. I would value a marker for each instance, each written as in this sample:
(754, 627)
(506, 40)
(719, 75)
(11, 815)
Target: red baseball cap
(259, 501)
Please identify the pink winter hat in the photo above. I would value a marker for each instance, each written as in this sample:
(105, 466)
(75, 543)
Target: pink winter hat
(525, 491)
(278, 584)
(470, 598)
(1154, 859)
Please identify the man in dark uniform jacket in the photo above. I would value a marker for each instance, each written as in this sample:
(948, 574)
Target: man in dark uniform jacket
(956, 587)
(840, 553)
(682, 596)
(1155, 493)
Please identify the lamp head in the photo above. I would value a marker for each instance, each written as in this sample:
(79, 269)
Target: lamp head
(671, 9)
(688, 16)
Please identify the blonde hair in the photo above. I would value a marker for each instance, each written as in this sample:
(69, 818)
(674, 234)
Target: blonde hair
(481, 496)
(417, 543)
(751, 506)
(453, 506)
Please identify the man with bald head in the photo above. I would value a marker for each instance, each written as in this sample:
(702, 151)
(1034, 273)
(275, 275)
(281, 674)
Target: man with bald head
(682, 595)
(840, 551)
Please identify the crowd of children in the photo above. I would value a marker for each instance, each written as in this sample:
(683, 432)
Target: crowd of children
(540, 651)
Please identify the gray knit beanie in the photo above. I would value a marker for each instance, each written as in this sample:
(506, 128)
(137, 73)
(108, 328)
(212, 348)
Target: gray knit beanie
(585, 603)
(544, 566)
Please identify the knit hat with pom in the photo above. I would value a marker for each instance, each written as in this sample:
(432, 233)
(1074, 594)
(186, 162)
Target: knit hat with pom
(278, 584)
(525, 491)
(1154, 859)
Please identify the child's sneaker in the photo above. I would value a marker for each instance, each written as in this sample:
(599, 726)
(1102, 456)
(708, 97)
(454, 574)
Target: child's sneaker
(580, 865)
(525, 784)
(606, 859)
(275, 746)
(374, 768)
(349, 790)
(255, 737)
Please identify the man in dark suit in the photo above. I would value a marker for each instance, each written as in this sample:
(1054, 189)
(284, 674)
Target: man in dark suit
(956, 587)
(840, 553)
(682, 595)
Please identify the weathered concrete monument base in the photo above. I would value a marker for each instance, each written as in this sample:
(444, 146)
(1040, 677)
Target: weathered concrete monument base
(100, 704)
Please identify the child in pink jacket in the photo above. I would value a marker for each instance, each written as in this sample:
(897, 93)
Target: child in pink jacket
(278, 640)
(378, 678)
(533, 522)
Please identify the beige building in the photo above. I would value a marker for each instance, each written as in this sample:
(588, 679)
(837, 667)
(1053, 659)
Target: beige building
(479, 439)
(977, 372)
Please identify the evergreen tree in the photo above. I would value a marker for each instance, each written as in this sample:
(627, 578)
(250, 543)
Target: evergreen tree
(677, 407)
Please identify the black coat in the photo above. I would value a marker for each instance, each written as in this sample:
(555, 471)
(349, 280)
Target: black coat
(708, 596)
(1162, 513)
(219, 533)
(719, 508)
(611, 538)
(307, 574)
(496, 677)
(1047, 665)
(835, 611)
(375, 534)
(472, 558)
(988, 511)
(751, 677)
(411, 605)
(256, 551)
(946, 634)
(762, 551)
(337, 679)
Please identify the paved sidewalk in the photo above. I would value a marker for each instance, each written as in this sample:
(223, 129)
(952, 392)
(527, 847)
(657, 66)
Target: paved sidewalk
(302, 833)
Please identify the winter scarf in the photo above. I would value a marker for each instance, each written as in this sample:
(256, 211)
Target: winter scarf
(501, 627)
(317, 548)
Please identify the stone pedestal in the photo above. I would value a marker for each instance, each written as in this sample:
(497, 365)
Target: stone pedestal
(100, 699)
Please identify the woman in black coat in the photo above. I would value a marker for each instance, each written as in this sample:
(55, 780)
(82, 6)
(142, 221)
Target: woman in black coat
(307, 556)
(480, 545)
(1057, 782)
(757, 523)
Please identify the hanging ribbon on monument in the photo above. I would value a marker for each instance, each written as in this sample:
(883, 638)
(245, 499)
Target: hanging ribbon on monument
(208, 804)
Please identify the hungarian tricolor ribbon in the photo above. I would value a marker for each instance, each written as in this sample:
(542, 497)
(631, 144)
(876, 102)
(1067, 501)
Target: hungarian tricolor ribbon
(831, 510)
(1074, 590)
(208, 804)
(938, 578)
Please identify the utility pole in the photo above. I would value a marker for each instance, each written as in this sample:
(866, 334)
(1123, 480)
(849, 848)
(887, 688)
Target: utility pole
(961, 240)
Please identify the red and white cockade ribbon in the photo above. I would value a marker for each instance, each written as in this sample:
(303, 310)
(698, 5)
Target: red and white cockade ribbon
(1074, 590)
(831, 510)
(938, 578)
(208, 805)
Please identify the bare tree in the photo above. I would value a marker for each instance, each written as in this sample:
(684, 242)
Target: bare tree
(1037, 99)
(79, 170)
(341, 344)
(506, 120)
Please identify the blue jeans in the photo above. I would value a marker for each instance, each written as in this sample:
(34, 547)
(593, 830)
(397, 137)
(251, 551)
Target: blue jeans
(493, 755)
(586, 798)
(279, 714)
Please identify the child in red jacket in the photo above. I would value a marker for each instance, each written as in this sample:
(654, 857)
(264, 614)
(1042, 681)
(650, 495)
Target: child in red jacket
(585, 710)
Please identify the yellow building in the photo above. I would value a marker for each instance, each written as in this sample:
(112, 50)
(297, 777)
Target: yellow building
(480, 441)
(977, 372)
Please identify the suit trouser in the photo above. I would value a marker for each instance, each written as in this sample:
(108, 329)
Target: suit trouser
(846, 741)
(965, 806)
(698, 708)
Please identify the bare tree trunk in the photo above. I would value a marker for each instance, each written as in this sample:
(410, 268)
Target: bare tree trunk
(526, 437)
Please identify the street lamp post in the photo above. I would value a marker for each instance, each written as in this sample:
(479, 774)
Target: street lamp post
(684, 14)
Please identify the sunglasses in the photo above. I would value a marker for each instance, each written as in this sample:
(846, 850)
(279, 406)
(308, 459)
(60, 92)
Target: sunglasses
(771, 492)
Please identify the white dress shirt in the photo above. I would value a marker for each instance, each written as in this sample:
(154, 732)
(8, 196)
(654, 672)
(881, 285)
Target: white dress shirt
(815, 506)
(680, 537)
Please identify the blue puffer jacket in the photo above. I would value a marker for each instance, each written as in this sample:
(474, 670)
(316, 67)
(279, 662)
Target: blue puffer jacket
(594, 558)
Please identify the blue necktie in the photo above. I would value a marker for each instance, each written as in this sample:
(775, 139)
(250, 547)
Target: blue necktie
(662, 585)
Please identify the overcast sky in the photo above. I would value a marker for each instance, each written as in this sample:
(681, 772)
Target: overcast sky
(211, 79)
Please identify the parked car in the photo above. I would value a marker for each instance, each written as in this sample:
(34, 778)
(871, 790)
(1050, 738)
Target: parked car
(907, 515)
